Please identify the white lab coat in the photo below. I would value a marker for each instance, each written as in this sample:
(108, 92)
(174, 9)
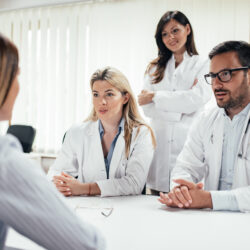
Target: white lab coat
(172, 111)
(202, 154)
(82, 156)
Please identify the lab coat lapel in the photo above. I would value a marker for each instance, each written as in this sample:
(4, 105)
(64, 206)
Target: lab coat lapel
(96, 164)
(241, 171)
(217, 137)
(117, 154)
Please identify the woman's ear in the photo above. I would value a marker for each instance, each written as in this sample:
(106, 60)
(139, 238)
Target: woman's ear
(188, 29)
(126, 98)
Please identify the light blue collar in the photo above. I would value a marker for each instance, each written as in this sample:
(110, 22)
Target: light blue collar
(120, 127)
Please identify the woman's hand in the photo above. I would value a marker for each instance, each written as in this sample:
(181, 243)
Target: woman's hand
(61, 186)
(145, 97)
(68, 185)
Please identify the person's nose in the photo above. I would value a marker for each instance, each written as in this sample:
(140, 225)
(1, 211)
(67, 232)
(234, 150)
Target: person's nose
(216, 83)
(103, 101)
(171, 35)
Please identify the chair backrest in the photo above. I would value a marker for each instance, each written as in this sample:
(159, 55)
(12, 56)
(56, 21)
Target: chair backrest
(64, 137)
(25, 134)
(144, 190)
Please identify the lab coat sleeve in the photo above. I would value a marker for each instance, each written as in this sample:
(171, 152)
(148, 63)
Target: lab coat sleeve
(150, 110)
(190, 163)
(180, 101)
(185, 101)
(224, 200)
(136, 171)
(67, 159)
(232, 200)
(33, 207)
(243, 198)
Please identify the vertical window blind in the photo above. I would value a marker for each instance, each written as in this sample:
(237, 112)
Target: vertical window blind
(61, 46)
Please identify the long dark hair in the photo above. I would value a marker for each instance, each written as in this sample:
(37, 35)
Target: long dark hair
(164, 54)
(8, 66)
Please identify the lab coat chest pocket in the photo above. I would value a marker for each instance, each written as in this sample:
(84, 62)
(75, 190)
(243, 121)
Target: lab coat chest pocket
(210, 147)
(247, 154)
(245, 158)
(243, 166)
(121, 171)
(185, 80)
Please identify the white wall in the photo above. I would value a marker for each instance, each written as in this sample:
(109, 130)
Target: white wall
(6, 5)
(61, 46)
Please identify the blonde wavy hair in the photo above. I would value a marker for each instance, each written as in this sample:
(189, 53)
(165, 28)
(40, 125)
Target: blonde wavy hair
(131, 113)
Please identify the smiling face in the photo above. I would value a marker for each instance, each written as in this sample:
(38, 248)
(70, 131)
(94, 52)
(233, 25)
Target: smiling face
(174, 36)
(235, 94)
(108, 101)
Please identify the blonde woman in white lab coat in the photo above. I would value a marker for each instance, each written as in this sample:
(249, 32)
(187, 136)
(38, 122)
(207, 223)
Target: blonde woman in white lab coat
(174, 92)
(110, 153)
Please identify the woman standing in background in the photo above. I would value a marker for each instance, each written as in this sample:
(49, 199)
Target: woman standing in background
(174, 92)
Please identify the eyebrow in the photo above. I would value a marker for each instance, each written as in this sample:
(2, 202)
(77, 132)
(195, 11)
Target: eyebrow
(174, 27)
(164, 31)
(108, 90)
(220, 70)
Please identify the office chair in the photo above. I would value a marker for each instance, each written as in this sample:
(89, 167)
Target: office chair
(25, 134)
(144, 190)
(64, 137)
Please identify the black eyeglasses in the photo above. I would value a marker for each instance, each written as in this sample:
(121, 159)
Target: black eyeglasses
(224, 75)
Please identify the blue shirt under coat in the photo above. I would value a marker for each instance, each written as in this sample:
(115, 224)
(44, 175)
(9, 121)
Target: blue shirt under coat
(108, 159)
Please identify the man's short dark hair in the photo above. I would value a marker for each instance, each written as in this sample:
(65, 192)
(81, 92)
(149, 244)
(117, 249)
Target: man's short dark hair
(241, 48)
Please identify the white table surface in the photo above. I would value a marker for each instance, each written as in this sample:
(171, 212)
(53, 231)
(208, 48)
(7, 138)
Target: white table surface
(142, 223)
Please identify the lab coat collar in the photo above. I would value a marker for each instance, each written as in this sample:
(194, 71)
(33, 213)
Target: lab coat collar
(243, 112)
(185, 56)
(93, 127)
(171, 63)
(117, 154)
(120, 127)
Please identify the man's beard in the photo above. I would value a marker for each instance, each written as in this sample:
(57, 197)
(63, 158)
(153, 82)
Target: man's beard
(239, 100)
(234, 103)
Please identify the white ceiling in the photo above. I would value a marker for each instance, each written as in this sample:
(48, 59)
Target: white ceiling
(6, 5)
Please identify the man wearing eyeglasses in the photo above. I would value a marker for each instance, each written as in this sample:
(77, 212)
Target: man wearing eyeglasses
(218, 146)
